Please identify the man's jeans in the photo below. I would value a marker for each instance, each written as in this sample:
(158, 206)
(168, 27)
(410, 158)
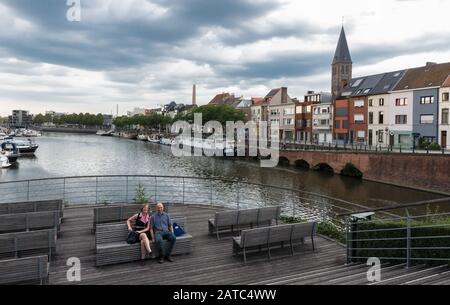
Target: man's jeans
(170, 237)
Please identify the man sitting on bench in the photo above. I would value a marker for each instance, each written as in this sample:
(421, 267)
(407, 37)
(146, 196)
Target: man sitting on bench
(162, 229)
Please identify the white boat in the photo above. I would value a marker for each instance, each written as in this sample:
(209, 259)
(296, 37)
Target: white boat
(24, 146)
(166, 141)
(153, 139)
(4, 162)
(31, 133)
(142, 137)
(100, 132)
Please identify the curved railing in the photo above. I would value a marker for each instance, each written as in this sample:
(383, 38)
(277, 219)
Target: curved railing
(110, 189)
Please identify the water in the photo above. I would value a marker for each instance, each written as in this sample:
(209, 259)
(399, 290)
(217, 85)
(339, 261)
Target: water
(77, 155)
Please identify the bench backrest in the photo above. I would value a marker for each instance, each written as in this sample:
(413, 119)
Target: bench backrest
(31, 206)
(255, 237)
(280, 233)
(24, 269)
(23, 241)
(268, 214)
(302, 230)
(227, 218)
(110, 233)
(29, 221)
(248, 216)
(117, 213)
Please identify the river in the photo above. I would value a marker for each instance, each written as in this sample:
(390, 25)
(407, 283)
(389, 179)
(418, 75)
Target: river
(62, 154)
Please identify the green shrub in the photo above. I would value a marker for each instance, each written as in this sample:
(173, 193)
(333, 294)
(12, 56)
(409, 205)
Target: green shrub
(327, 229)
(395, 246)
(140, 194)
(350, 170)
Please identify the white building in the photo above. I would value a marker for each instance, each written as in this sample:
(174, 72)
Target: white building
(322, 118)
(281, 111)
(444, 121)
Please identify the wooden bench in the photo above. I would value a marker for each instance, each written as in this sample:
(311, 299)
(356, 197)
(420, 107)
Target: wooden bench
(15, 245)
(32, 206)
(117, 213)
(268, 238)
(29, 221)
(230, 220)
(24, 269)
(112, 248)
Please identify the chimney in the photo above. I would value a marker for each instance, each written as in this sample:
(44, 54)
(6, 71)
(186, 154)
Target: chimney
(429, 64)
(284, 95)
(194, 94)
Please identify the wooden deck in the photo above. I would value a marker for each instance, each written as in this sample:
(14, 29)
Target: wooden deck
(211, 261)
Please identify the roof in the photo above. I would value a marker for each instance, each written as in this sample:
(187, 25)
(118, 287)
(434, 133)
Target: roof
(342, 54)
(257, 101)
(388, 82)
(362, 86)
(446, 82)
(223, 98)
(272, 93)
(431, 75)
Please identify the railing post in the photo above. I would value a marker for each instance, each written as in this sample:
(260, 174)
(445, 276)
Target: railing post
(64, 190)
(156, 189)
(28, 190)
(293, 205)
(183, 190)
(347, 239)
(237, 186)
(96, 190)
(126, 191)
(324, 216)
(211, 192)
(408, 239)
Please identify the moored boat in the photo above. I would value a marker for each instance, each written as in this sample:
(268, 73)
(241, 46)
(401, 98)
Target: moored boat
(4, 162)
(142, 137)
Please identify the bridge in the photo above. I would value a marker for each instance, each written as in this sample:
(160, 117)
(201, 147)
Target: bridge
(428, 172)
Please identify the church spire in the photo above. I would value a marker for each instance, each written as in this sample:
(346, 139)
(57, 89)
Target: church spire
(342, 54)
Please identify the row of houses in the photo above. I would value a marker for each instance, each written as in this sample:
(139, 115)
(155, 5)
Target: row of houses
(399, 108)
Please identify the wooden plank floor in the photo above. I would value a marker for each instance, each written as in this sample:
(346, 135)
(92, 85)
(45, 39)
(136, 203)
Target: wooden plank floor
(211, 261)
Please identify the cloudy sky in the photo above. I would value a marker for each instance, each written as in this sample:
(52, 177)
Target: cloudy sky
(144, 53)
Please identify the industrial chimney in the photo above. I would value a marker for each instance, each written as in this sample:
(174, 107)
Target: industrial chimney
(194, 94)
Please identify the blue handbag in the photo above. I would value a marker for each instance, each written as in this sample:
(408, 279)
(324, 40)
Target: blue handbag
(177, 230)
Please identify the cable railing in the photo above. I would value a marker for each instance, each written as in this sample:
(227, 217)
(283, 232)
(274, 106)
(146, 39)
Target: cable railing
(232, 194)
(423, 237)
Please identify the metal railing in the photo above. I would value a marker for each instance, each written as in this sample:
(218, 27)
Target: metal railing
(362, 148)
(233, 194)
(420, 234)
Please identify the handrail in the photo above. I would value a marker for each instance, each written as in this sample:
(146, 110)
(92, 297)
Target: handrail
(397, 207)
(188, 177)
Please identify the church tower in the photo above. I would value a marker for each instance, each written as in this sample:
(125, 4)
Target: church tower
(342, 65)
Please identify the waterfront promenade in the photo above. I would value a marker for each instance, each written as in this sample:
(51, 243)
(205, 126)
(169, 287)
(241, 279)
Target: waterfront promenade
(211, 261)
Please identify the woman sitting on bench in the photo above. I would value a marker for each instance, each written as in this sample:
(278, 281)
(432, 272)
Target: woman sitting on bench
(142, 227)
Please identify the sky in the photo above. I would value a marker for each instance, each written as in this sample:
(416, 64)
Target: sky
(146, 53)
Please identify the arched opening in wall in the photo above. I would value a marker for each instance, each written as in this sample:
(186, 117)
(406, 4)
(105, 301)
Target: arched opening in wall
(283, 161)
(323, 167)
(302, 164)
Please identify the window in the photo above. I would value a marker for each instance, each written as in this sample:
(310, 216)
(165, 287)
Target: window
(381, 117)
(287, 122)
(427, 100)
(381, 101)
(445, 96)
(370, 117)
(397, 74)
(325, 110)
(445, 116)
(380, 136)
(359, 118)
(345, 124)
(361, 135)
(288, 111)
(337, 124)
(367, 90)
(426, 119)
(308, 109)
(341, 112)
(299, 109)
(401, 102)
(401, 119)
(359, 104)
(370, 103)
(316, 110)
(357, 83)
(358, 92)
